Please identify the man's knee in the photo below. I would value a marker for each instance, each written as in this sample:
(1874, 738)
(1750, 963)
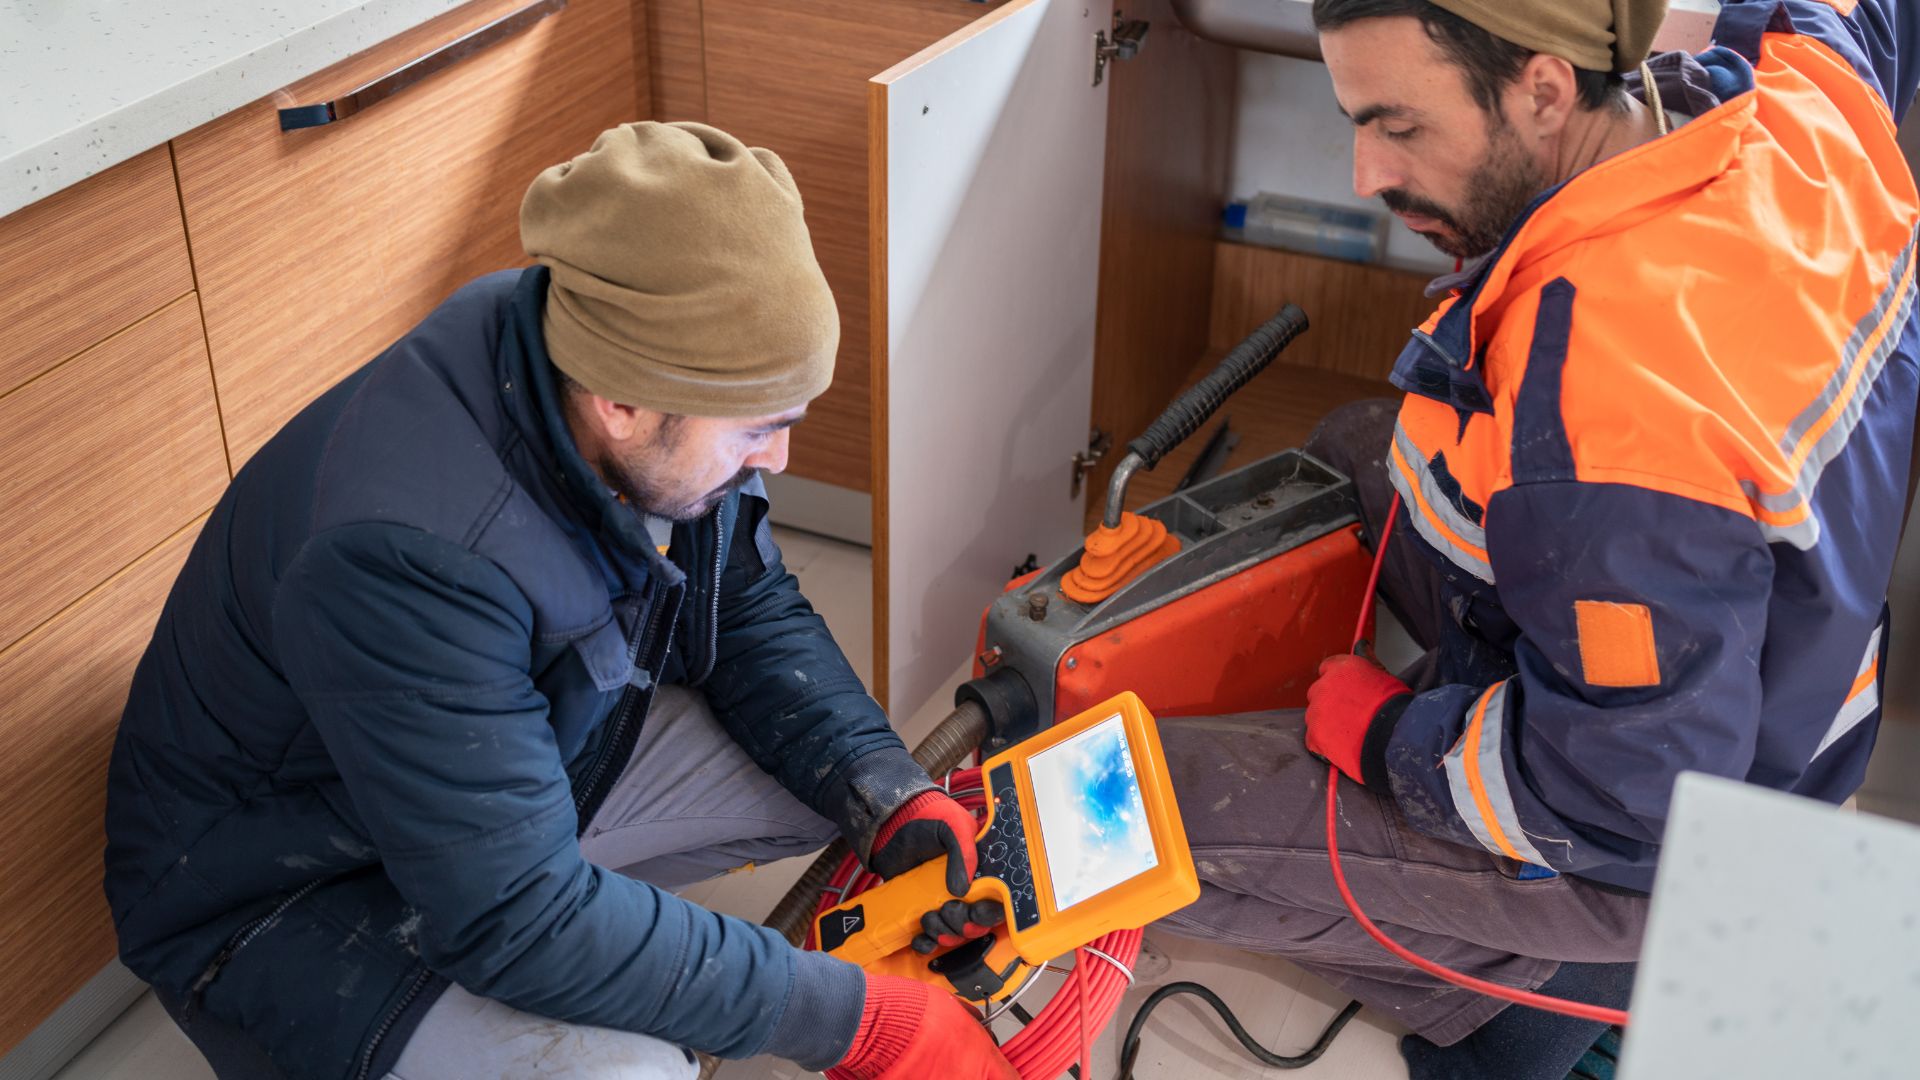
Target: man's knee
(1213, 757)
(465, 1035)
(800, 835)
(1355, 435)
(692, 803)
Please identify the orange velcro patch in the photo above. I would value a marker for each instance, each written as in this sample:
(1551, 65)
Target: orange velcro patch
(1844, 7)
(1616, 644)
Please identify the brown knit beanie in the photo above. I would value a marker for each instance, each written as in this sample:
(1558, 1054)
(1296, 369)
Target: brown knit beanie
(683, 276)
(1598, 35)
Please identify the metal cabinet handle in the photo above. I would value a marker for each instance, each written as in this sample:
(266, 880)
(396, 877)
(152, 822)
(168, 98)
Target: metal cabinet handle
(384, 87)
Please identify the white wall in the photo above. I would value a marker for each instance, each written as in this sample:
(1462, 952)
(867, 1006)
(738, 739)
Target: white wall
(1292, 140)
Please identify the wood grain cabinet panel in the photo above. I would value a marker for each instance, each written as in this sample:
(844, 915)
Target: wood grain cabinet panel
(1169, 151)
(61, 692)
(105, 456)
(316, 249)
(676, 59)
(1360, 315)
(80, 265)
(793, 78)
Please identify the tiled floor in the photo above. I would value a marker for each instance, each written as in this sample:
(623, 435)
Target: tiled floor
(1280, 1005)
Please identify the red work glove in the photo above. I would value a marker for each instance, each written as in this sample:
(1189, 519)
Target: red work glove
(912, 1030)
(1345, 724)
(930, 825)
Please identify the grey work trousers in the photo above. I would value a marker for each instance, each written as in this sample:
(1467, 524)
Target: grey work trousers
(1253, 800)
(689, 805)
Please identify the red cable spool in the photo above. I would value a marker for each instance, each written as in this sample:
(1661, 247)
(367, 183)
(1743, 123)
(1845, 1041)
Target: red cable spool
(1078, 1011)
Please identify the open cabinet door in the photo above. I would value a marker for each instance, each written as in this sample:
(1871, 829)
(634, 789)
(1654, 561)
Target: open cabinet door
(987, 157)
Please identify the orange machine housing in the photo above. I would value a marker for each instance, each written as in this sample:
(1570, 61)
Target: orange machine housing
(1249, 636)
(1252, 641)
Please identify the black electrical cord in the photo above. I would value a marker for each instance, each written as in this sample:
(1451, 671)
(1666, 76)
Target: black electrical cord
(1130, 1048)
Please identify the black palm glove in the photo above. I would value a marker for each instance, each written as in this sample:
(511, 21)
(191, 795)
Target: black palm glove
(929, 826)
(957, 921)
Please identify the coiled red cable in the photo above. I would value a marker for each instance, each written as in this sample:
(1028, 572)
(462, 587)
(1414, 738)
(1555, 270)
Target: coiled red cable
(1582, 1010)
(1061, 1034)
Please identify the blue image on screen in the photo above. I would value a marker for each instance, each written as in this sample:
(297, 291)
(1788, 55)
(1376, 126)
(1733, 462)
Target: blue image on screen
(1093, 820)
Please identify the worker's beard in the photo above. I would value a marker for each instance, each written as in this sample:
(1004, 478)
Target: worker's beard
(645, 479)
(1501, 186)
(666, 501)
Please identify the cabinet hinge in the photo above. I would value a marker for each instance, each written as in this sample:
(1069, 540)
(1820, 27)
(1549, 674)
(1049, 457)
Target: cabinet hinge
(1128, 36)
(1098, 443)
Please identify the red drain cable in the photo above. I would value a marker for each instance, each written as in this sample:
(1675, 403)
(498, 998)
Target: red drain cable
(1053, 1040)
(1617, 1017)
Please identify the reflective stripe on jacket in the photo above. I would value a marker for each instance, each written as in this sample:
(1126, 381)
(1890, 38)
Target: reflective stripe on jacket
(1659, 448)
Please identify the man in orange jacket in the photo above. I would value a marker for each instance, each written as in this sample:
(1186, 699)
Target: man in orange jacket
(1650, 464)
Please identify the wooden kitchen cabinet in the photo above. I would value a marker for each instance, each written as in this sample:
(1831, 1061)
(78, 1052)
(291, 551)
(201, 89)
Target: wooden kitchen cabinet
(312, 251)
(87, 261)
(1045, 264)
(793, 78)
(317, 248)
(676, 58)
(105, 456)
(64, 687)
(109, 450)
(1042, 263)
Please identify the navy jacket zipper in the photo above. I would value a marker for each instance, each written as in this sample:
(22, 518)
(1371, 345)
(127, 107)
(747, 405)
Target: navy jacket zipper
(392, 1018)
(589, 794)
(241, 939)
(713, 615)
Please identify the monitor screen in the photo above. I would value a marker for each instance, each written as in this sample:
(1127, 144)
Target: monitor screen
(1093, 822)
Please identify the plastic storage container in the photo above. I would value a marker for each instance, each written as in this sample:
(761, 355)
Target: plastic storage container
(1282, 221)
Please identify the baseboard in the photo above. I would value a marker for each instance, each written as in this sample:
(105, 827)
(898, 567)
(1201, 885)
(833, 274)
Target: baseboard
(75, 1024)
(826, 509)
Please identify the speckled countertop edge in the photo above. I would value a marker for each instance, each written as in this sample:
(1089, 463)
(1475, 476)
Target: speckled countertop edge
(90, 84)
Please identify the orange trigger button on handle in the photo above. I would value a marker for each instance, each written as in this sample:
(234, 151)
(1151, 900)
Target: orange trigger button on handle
(1115, 556)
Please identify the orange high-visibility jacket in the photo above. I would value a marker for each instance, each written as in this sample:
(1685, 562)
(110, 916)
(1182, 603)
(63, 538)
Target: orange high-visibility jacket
(1658, 446)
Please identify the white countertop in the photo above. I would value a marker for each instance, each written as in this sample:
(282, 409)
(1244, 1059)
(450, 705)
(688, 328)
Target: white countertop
(87, 84)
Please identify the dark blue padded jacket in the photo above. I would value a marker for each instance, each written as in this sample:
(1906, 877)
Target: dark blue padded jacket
(404, 662)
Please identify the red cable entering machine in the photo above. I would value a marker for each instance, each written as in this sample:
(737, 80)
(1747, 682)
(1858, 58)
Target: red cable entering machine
(1582, 1010)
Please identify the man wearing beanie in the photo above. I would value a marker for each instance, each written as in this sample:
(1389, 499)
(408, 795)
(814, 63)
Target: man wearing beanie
(491, 648)
(1650, 471)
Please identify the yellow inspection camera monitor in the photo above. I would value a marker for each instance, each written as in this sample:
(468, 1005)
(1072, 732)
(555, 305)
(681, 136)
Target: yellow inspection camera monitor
(1082, 838)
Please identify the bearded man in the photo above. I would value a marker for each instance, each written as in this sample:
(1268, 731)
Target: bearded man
(1650, 473)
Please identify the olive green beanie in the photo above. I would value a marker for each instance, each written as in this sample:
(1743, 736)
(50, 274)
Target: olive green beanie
(1598, 35)
(683, 276)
